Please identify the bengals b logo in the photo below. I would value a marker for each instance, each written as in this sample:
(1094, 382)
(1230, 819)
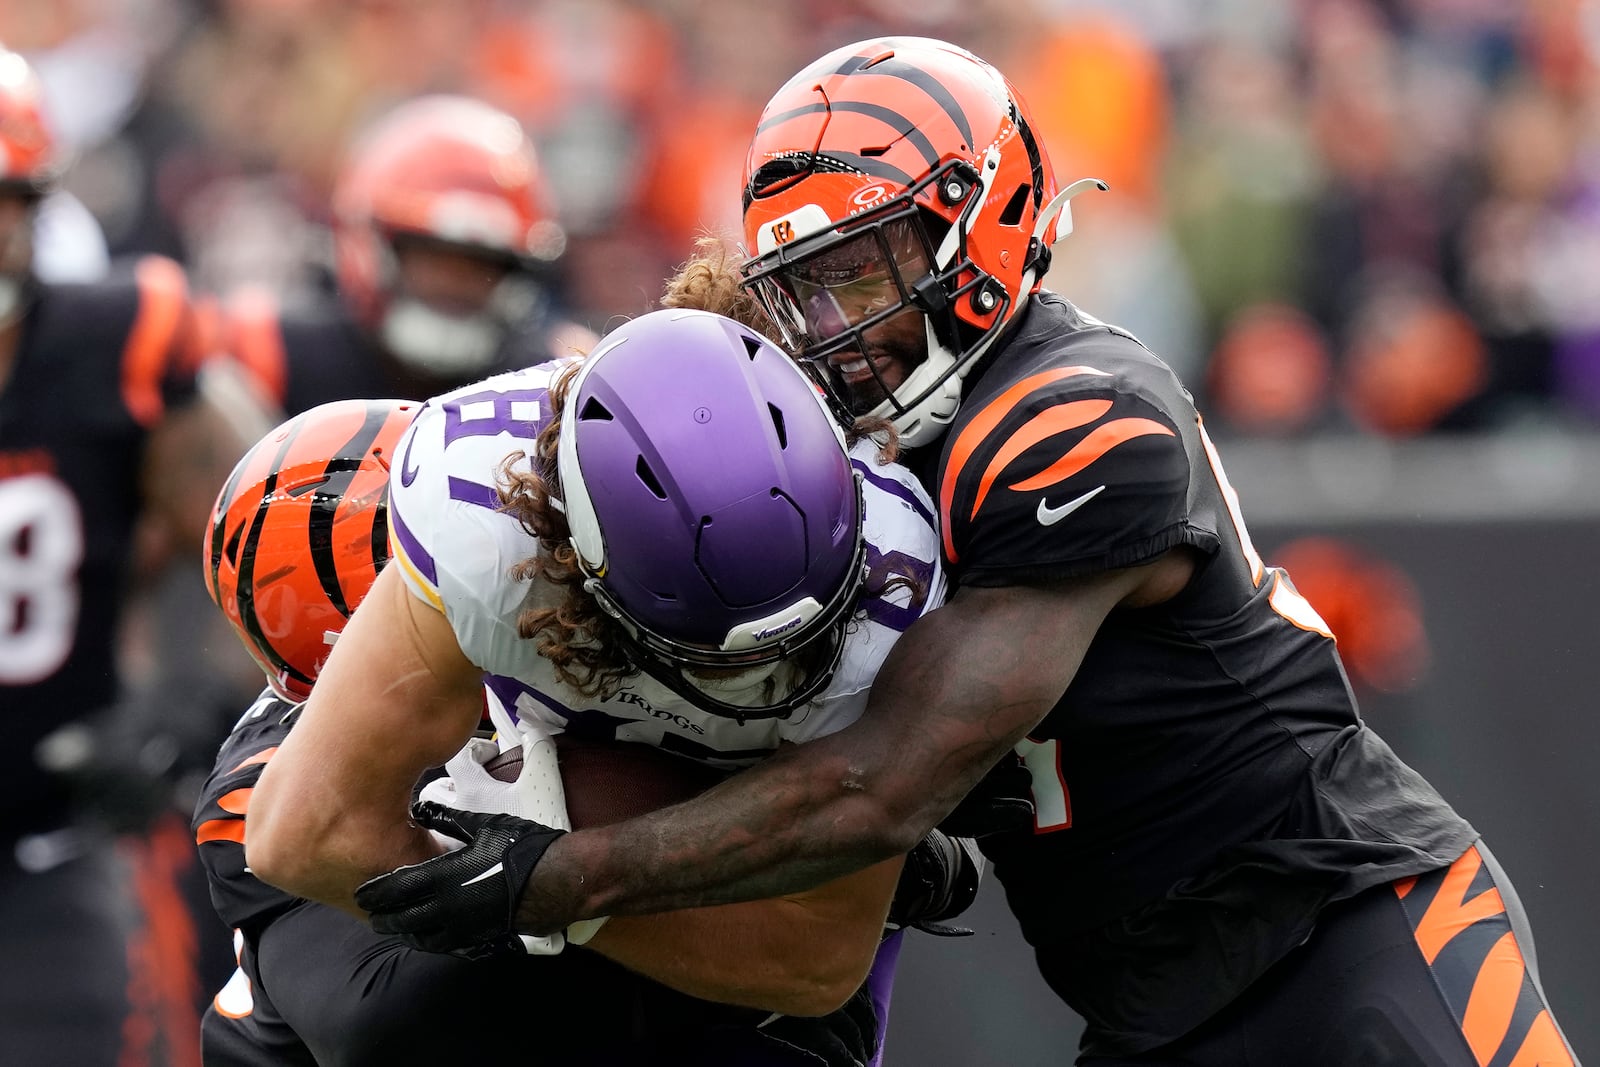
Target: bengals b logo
(783, 231)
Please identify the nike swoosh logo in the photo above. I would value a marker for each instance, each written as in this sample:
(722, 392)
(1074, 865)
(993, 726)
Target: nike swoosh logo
(490, 873)
(408, 473)
(1049, 516)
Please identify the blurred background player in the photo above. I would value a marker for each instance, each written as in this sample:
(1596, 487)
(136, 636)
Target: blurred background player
(445, 255)
(111, 437)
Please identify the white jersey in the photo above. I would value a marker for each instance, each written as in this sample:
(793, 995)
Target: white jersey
(457, 550)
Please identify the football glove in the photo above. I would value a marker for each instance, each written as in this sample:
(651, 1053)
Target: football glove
(1001, 801)
(536, 795)
(939, 881)
(463, 902)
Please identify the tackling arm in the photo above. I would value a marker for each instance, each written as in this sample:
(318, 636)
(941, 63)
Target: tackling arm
(964, 685)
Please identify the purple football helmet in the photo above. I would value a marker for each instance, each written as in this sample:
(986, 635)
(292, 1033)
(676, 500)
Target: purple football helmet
(712, 503)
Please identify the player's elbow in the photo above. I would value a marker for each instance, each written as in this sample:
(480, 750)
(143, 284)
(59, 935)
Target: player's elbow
(892, 825)
(274, 850)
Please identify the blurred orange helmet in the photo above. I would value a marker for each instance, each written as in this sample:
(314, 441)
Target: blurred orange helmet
(28, 159)
(871, 151)
(300, 531)
(451, 170)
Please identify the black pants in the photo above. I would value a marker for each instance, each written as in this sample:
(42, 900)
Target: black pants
(1433, 971)
(325, 989)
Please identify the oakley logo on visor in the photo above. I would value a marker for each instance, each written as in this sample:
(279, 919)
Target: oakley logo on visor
(869, 196)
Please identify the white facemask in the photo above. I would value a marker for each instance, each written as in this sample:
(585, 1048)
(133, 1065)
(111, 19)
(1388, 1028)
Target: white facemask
(440, 345)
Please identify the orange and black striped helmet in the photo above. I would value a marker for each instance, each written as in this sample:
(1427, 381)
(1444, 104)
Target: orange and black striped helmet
(450, 170)
(300, 531)
(914, 163)
(28, 157)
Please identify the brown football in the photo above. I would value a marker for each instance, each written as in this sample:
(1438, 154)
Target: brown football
(608, 781)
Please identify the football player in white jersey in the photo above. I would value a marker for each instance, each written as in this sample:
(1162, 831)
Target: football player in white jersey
(297, 537)
(727, 578)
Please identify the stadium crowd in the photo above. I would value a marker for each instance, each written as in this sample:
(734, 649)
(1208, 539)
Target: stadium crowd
(1363, 215)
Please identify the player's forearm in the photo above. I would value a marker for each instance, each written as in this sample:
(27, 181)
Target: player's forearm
(324, 851)
(800, 819)
(801, 955)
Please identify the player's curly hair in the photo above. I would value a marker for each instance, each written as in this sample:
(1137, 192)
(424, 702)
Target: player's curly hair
(586, 647)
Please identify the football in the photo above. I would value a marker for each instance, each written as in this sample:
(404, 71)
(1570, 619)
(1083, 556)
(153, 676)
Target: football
(507, 766)
(607, 781)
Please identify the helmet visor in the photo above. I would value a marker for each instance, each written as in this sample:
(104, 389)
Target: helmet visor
(831, 298)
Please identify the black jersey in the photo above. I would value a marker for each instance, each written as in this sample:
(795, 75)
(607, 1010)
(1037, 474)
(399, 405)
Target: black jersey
(319, 353)
(1205, 784)
(241, 900)
(96, 368)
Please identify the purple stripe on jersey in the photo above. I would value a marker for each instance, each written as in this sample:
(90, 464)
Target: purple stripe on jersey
(470, 492)
(894, 487)
(412, 548)
(509, 689)
(880, 984)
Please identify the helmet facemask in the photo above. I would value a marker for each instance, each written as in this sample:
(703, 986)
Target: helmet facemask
(454, 340)
(725, 573)
(918, 263)
(814, 645)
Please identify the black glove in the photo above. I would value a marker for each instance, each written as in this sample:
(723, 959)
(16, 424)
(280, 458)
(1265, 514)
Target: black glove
(465, 901)
(1001, 801)
(939, 881)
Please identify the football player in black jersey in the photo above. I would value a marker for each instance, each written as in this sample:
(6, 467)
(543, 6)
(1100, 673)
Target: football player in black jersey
(1225, 864)
(106, 442)
(446, 255)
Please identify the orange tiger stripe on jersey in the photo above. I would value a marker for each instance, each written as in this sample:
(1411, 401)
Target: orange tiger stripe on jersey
(236, 801)
(260, 757)
(1056, 420)
(163, 302)
(255, 340)
(976, 431)
(220, 830)
(1095, 444)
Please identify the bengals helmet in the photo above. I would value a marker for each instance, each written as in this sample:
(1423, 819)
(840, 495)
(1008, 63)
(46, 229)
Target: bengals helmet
(458, 174)
(299, 532)
(913, 164)
(28, 160)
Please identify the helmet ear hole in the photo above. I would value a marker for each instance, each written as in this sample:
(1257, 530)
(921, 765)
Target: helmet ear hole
(593, 408)
(648, 477)
(778, 426)
(1012, 215)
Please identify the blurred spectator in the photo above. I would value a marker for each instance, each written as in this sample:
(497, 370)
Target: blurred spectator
(1371, 606)
(1414, 362)
(1271, 374)
(445, 264)
(114, 429)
